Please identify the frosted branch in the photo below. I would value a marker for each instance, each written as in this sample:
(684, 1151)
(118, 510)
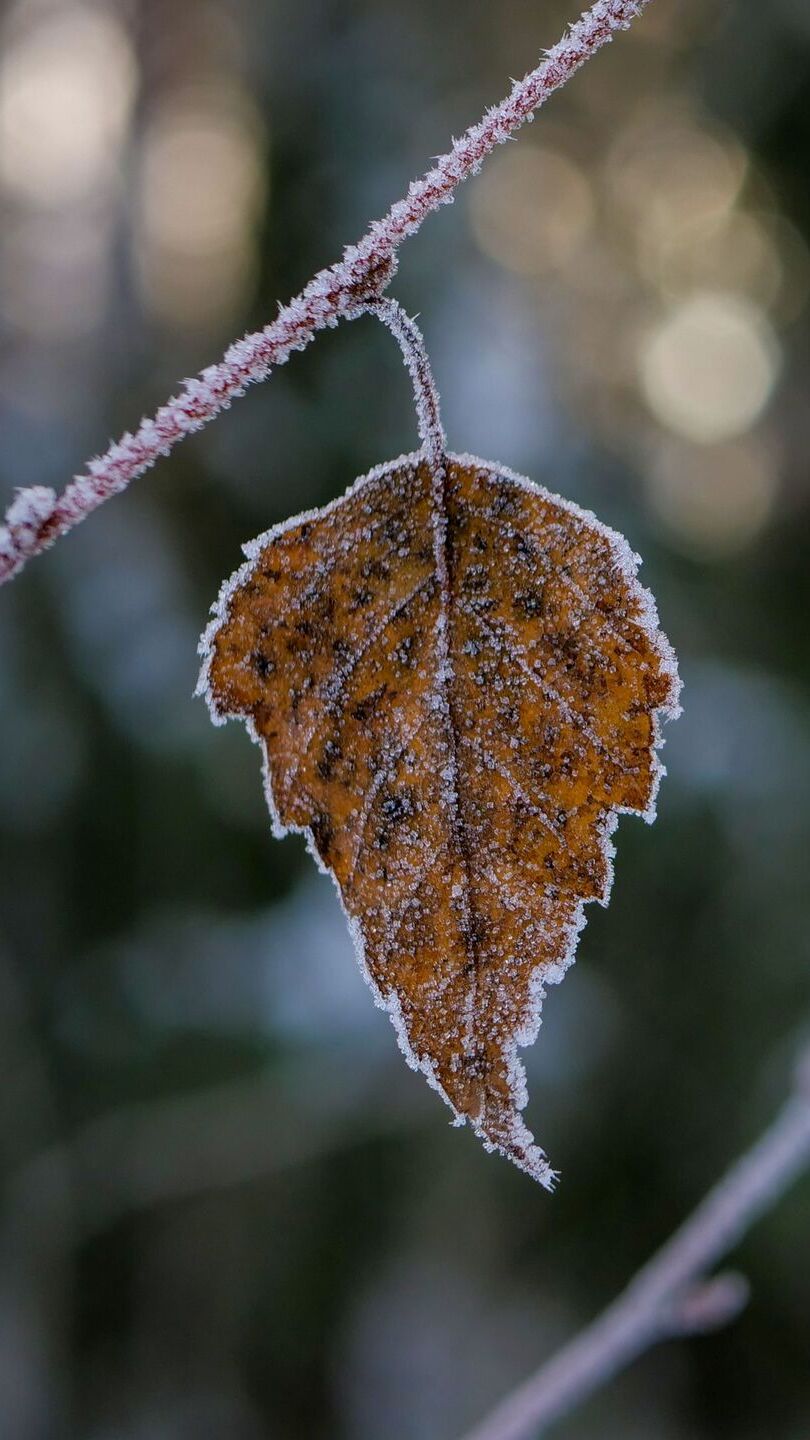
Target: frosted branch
(37, 517)
(411, 342)
(667, 1297)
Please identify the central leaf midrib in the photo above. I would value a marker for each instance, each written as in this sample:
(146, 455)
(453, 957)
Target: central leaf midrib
(440, 520)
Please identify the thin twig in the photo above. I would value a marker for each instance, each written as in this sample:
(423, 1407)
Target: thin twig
(668, 1296)
(151, 1154)
(411, 342)
(37, 516)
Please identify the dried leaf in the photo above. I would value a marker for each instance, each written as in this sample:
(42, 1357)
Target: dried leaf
(456, 681)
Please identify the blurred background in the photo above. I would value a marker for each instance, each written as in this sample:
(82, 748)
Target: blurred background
(229, 1210)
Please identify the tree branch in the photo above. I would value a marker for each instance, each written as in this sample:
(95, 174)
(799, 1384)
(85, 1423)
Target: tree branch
(667, 1297)
(37, 516)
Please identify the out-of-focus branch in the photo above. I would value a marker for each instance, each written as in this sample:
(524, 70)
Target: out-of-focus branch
(228, 1135)
(669, 1296)
(37, 516)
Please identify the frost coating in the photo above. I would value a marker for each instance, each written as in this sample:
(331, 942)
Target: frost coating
(457, 683)
(28, 512)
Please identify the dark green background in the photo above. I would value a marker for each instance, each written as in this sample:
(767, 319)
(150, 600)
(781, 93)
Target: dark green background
(229, 1210)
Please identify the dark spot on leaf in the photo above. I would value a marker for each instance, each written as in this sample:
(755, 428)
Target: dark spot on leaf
(393, 529)
(322, 833)
(365, 708)
(330, 755)
(375, 570)
(262, 664)
(504, 503)
(475, 1062)
(525, 547)
(475, 580)
(529, 603)
(403, 655)
(396, 805)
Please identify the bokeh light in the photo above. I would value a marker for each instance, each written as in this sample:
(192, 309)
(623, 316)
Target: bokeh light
(665, 168)
(201, 187)
(708, 369)
(66, 89)
(713, 500)
(532, 209)
(734, 249)
(61, 274)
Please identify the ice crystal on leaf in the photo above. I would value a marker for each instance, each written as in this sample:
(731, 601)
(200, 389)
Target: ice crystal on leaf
(457, 682)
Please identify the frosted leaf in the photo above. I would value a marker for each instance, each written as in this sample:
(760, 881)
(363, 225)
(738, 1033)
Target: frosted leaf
(456, 681)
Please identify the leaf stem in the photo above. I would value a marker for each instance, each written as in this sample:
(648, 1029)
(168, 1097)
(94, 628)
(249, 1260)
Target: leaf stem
(411, 342)
(37, 516)
(668, 1296)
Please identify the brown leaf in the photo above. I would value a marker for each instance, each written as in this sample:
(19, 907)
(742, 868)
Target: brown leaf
(456, 682)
